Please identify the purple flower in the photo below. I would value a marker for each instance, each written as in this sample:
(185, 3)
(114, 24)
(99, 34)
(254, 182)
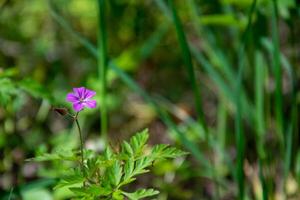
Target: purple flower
(81, 97)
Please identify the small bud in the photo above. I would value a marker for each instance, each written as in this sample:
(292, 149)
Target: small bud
(61, 111)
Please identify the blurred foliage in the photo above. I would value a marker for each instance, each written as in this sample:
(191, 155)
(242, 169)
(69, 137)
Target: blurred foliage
(48, 47)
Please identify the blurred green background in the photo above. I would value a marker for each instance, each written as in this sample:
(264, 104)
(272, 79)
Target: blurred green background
(217, 78)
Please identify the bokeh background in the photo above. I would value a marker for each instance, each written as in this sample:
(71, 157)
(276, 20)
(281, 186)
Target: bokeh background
(240, 56)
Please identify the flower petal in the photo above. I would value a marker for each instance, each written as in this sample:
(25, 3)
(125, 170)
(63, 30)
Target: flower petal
(80, 92)
(89, 93)
(71, 97)
(90, 103)
(78, 106)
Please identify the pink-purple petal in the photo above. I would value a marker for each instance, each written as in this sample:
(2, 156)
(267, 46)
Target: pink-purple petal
(79, 91)
(90, 103)
(71, 97)
(78, 106)
(89, 93)
(81, 97)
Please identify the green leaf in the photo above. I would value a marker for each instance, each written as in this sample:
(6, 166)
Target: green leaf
(108, 154)
(93, 190)
(64, 155)
(45, 157)
(141, 165)
(132, 168)
(36, 194)
(70, 180)
(128, 172)
(117, 195)
(165, 151)
(126, 148)
(141, 193)
(115, 173)
(139, 140)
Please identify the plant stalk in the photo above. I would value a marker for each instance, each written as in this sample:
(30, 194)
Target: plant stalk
(81, 142)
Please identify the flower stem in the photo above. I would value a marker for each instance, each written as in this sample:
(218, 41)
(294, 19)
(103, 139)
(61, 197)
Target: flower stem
(81, 141)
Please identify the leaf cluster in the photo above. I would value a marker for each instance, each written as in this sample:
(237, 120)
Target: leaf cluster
(103, 176)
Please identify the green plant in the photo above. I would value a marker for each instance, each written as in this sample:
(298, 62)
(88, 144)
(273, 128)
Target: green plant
(104, 175)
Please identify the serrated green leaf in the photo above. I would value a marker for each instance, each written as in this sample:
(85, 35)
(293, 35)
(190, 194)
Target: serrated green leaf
(70, 181)
(63, 155)
(115, 173)
(141, 165)
(162, 151)
(45, 157)
(93, 190)
(127, 149)
(141, 193)
(108, 154)
(139, 140)
(128, 172)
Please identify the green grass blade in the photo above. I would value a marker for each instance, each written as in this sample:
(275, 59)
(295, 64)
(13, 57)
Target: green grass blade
(102, 67)
(66, 26)
(221, 126)
(260, 118)
(209, 44)
(227, 89)
(259, 101)
(240, 138)
(147, 48)
(278, 73)
(186, 54)
(292, 132)
(265, 192)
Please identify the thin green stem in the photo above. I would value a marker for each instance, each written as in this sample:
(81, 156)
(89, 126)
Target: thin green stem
(102, 67)
(81, 141)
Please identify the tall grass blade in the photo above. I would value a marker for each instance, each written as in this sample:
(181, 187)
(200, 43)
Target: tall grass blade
(149, 45)
(10, 193)
(221, 127)
(226, 89)
(186, 54)
(278, 73)
(260, 118)
(102, 66)
(292, 132)
(239, 131)
(209, 44)
(265, 191)
(259, 102)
